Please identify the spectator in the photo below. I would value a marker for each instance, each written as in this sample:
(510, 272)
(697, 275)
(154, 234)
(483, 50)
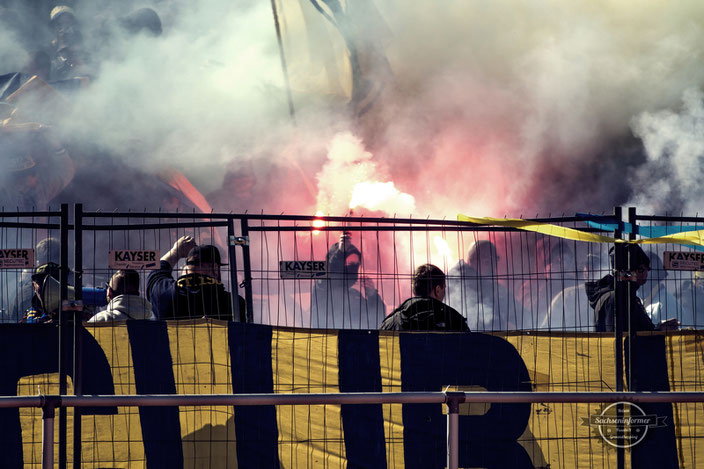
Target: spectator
(555, 271)
(473, 288)
(601, 295)
(47, 251)
(692, 298)
(196, 294)
(426, 311)
(45, 301)
(334, 303)
(570, 309)
(124, 301)
(659, 303)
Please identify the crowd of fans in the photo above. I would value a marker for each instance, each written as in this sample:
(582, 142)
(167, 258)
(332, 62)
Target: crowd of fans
(472, 297)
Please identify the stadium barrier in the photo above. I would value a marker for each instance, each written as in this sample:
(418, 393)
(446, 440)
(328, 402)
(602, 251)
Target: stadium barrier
(556, 358)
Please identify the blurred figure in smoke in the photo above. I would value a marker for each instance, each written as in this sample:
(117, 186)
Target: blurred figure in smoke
(69, 57)
(473, 289)
(425, 311)
(659, 303)
(46, 252)
(34, 166)
(334, 303)
(570, 309)
(692, 298)
(555, 271)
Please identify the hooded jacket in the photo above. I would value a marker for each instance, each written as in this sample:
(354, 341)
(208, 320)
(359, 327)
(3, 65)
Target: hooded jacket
(124, 307)
(424, 314)
(601, 298)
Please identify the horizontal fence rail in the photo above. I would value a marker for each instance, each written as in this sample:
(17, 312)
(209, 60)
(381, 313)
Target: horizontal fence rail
(452, 399)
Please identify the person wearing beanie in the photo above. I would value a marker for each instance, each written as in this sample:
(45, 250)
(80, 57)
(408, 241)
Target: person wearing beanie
(197, 293)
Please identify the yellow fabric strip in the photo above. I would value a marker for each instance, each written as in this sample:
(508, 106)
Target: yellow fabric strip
(690, 237)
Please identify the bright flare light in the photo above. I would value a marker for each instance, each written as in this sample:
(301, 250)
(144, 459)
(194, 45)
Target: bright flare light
(444, 250)
(382, 196)
(317, 223)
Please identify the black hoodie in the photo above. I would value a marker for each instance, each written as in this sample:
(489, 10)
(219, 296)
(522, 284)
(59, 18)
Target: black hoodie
(424, 314)
(601, 298)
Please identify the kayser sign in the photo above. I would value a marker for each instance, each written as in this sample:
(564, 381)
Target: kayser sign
(302, 269)
(676, 260)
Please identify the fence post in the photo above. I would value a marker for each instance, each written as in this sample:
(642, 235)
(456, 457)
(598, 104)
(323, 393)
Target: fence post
(232, 259)
(77, 329)
(247, 270)
(453, 400)
(64, 273)
(48, 431)
(620, 308)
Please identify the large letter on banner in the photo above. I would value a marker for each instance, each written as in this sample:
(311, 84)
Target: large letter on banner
(30, 349)
(431, 361)
(649, 373)
(154, 374)
(255, 426)
(360, 371)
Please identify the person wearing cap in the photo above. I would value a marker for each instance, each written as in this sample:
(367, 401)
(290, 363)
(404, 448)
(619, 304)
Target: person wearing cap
(197, 293)
(44, 304)
(602, 296)
(124, 300)
(334, 303)
(426, 311)
(473, 289)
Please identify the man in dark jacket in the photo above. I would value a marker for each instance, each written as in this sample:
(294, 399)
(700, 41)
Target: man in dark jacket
(426, 311)
(196, 294)
(602, 298)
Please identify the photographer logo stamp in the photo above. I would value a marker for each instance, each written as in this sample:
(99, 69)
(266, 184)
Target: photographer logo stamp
(623, 424)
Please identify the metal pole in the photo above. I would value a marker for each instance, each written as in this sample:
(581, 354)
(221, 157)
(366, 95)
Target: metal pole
(453, 428)
(247, 270)
(232, 256)
(64, 272)
(77, 329)
(620, 308)
(48, 438)
(347, 398)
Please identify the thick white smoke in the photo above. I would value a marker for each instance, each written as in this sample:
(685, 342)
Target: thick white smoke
(672, 177)
(490, 108)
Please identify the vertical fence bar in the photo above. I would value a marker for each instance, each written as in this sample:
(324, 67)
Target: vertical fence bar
(453, 429)
(48, 434)
(232, 259)
(620, 307)
(77, 329)
(64, 272)
(246, 260)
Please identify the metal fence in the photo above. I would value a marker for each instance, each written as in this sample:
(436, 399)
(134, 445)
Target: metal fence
(518, 284)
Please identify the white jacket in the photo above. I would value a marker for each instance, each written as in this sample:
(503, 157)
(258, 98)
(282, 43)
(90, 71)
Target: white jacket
(124, 307)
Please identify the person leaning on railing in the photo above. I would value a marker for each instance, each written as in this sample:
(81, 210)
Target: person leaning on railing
(426, 311)
(197, 293)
